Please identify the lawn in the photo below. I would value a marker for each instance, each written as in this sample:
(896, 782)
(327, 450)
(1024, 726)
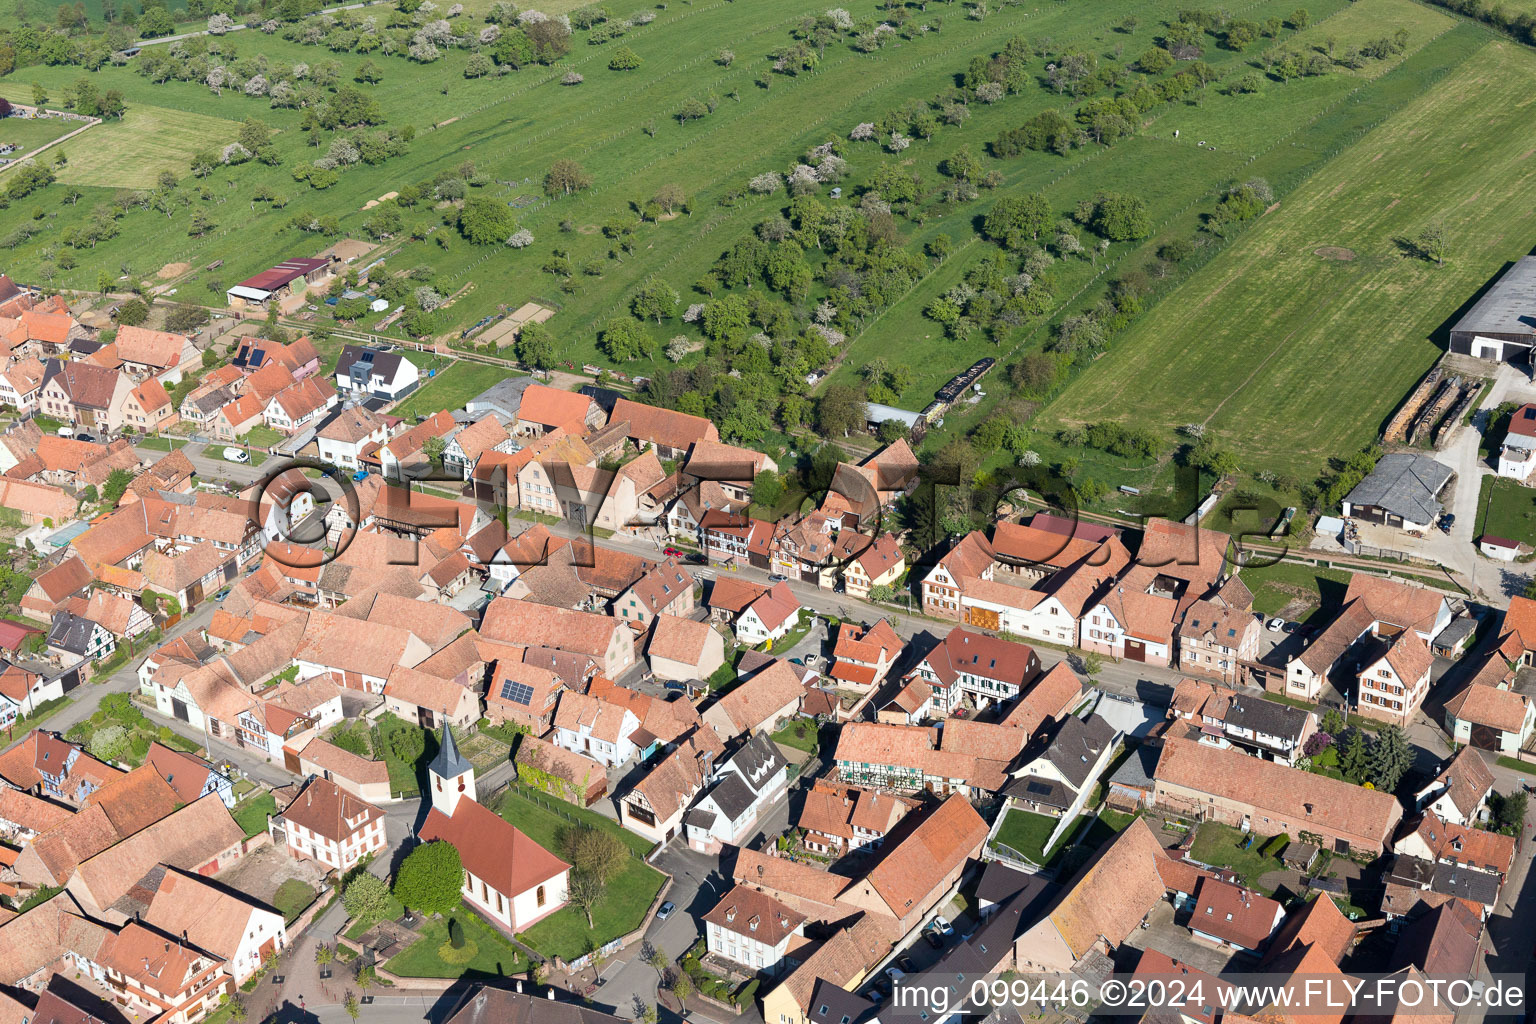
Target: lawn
(1261, 319)
(1279, 585)
(262, 436)
(292, 898)
(1222, 846)
(30, 133)
(799, 733)
(451, 388)
(1506, 508)
(631, 890)
(1027, 832)
(114, 155)
(251, 814)
(160, 444)
(429, 956)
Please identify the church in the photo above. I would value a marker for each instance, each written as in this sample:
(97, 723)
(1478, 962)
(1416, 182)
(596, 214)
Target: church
(509, 879)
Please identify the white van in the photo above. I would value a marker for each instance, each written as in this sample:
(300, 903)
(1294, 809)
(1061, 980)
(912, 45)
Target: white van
(65, 431)
(236, 455)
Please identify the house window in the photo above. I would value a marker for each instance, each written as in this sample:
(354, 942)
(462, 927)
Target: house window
(538, 896)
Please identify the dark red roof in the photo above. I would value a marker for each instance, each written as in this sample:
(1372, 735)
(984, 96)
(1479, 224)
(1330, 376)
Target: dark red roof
(14, 634)
(288, 270)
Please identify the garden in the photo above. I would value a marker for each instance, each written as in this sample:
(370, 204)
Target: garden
(481, 949)
(118, 732)
(403, 746)
(799, 733)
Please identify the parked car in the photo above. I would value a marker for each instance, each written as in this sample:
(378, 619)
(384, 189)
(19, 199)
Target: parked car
(1275, 623)
(942, 926)
(665, 910)
(895, 974)
(361, 474)
(934, 939)
(1290, 627)
(778, 577)
(85, 437)
(1447, 521)
(672, 552)
(236, 455)
(697, 558)
(65, 431)
(906, 965)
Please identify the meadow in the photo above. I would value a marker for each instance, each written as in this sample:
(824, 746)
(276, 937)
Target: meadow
(1298, 341)
(1232, 337)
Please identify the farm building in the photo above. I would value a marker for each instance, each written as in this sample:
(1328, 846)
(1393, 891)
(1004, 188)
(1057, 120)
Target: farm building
(876, 414)
(1501, 326)
(1403, 491)
(294, 275)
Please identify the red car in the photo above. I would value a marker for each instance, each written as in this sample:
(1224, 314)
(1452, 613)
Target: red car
(672, 552)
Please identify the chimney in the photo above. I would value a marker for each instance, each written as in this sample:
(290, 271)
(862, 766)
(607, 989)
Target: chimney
(549, 993)
(519, 987)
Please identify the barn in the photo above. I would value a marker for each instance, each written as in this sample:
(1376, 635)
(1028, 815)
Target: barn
(1501, 326)
(1402, 491)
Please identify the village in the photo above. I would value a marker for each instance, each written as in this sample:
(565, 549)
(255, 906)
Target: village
(520, 703)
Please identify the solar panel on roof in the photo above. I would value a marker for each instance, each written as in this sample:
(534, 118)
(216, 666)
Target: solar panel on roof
(517, 693)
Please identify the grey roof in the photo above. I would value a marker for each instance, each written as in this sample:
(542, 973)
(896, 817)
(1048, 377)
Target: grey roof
(1039, 791)
(698, 817)
(1456, 880)
(732, 795)
(1509, 307)
(1078, 745)
(71, 632)
(1266, 716)
(833, 1004)
(487, 1005)
(1001, 883)
(505, 396)
(1405, 485)
(385, 364)
(1140, 769)
(877, 413)
(1411, 871)
(757, 761)
(1460, 628)
(449, 763)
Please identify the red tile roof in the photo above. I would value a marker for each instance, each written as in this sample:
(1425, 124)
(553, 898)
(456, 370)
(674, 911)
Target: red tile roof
(492, 849)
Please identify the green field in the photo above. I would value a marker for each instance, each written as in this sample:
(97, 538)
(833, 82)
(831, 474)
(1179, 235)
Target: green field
(1290, 356)
(451, 388)
(30, 133)
(1506, 508)
(132, 152)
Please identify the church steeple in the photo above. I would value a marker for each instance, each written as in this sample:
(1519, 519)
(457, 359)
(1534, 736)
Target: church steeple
(451, 776)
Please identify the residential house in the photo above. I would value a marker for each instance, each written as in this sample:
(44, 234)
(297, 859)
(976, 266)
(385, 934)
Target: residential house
(84, 394)
(1263, 727)
(21, 384)
(509, 879)
(160, 355)
(377, 374)
(654, 807)
(356, 654)
(918, 873)
(985, 669)
(762, 703)
(189, 775)
(1231, 787)
(670, 432)
(1057, 778)
(880, 564)
(364, 778)
(734, 469)
(73, 639)
(326, 823)
(235, 419)
(836, 819)
(1427, 837)
(344, 437)
(300, 405)
(736, 539)
(151, 974)
(523, 694)
(240, 931)
(682, 648)
(22, 692)
(46, 764)
(1233, 916)
(596, 729)
(752, 929)
(299, 357)
(769, 617)
(861, 658)
(468, 443)
(54, 586)
(606, 640)
(666, 589)
(745, 786)
(543, 410)
(1218, 633)
(1459, 794)
(148, 408)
